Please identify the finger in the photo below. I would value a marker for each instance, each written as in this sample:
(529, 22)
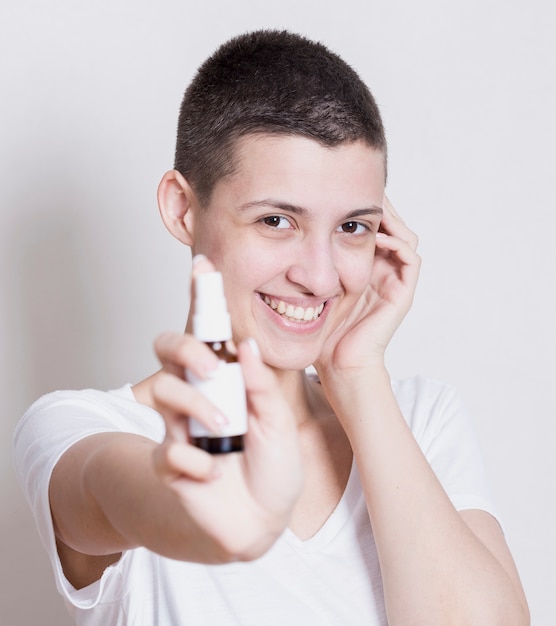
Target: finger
(172, 460)
(401, 253)
(388, 206)
(392, 224)
(264, 397)
(403, 249)
(175, 399)
(178, 352)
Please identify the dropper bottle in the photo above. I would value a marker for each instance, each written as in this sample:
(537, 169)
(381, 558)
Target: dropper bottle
(225, 387)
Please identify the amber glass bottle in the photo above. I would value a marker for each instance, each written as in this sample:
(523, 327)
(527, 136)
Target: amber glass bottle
(225, 387)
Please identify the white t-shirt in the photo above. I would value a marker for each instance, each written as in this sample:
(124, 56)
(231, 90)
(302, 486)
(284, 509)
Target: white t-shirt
(331, 579)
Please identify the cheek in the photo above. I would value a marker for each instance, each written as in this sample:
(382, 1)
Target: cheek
(250, 262)
(209, 243)
(358, 274)
(242, 277)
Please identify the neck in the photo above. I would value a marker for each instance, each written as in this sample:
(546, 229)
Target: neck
(303, 394)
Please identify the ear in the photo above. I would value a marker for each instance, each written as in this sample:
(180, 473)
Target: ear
(177, 205)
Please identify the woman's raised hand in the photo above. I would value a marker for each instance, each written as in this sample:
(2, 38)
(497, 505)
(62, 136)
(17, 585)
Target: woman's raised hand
(362, 340)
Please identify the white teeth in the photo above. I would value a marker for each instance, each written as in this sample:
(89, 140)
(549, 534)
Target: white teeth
(294, 312)
(309, 313)
(299, 313)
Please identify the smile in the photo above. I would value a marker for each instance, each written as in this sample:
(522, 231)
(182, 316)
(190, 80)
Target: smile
(293, 312)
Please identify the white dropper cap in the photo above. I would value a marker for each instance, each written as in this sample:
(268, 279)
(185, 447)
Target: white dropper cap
(211, 321)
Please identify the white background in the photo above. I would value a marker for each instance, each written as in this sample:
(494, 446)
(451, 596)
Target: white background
(88, 107)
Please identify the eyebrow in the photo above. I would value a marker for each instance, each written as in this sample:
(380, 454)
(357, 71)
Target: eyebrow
(302, 211)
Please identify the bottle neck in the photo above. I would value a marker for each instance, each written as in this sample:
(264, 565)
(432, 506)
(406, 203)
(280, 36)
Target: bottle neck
(222, 351)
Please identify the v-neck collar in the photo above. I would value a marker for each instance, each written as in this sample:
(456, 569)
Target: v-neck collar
(336, 520)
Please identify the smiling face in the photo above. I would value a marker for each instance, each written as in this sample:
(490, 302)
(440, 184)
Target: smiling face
(293, 233)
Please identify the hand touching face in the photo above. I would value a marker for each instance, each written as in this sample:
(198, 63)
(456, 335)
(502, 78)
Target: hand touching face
(361, 340)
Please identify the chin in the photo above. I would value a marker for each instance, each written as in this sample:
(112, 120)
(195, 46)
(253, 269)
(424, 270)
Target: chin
(289, 362)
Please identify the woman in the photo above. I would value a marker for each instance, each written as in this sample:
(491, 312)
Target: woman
(357, 500)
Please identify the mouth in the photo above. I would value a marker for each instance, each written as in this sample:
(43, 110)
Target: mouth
(293, 312)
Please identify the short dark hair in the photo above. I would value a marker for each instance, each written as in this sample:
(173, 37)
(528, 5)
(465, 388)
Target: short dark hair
(270, 82)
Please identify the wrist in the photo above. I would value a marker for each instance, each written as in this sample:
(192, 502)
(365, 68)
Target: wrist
(355, 376)
(356, 392)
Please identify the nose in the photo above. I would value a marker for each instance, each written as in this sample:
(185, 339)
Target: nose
(313, 268)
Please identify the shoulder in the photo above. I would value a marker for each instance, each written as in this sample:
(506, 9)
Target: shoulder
(419, 394)
(86, 399)
(90, 406)
(61, 418)
(430, 407)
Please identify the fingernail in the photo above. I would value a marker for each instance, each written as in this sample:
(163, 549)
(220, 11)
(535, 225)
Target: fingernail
(254, 347)
(203, 369)
(209, 364)
(220, 419)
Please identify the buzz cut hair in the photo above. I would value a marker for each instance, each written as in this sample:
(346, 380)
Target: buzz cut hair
(275, 83)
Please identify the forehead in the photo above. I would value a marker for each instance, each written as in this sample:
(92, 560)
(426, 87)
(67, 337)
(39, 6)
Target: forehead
(258, 144)
(292, 165)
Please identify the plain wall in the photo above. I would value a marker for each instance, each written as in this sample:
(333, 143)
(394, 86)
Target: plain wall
(89, 276)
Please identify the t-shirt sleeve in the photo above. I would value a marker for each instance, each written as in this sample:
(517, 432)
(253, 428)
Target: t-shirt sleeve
(448, 439)
(49, 428)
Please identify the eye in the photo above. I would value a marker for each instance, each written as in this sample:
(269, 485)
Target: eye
(276, 221)
(353, 228)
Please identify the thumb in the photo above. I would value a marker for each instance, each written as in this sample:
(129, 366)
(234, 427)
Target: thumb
(265, 399)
